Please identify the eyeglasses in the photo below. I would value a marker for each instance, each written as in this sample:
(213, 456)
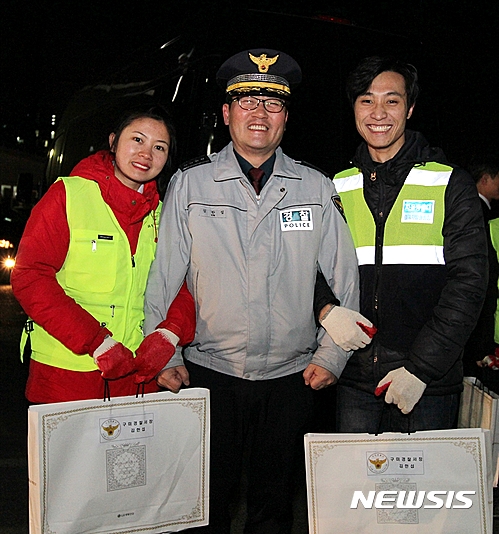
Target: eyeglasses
(249, 103)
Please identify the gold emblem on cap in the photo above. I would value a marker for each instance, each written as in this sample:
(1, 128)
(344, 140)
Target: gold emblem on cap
(263, 62)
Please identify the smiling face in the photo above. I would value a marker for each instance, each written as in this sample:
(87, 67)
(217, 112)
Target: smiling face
(141, 151)
(381, 115)
(256, 133)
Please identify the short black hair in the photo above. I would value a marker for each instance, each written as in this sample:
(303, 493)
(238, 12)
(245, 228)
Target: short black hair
(485, 164)
(361, 78)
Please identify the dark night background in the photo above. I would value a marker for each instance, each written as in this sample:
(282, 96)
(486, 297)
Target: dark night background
(51, 49)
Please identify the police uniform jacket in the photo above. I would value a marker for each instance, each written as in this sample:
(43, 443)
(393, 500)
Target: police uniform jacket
(424, 312)
(251, 265)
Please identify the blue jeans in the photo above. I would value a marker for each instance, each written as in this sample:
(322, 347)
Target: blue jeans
(358, 411)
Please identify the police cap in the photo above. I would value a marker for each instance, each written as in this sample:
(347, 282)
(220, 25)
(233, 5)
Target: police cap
(259, 71)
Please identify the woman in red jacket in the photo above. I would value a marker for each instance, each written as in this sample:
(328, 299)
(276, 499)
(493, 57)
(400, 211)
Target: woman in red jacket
(82, 267)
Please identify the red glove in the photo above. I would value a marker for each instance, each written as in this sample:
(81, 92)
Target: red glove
(155, 351)
(491, 361)
(113, 359)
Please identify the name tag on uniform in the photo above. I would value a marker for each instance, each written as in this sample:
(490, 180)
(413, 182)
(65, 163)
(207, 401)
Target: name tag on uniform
(213, 213)
(418, 211)
(296, 219)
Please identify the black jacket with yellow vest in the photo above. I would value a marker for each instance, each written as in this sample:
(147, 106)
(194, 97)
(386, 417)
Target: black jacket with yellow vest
(418, 230)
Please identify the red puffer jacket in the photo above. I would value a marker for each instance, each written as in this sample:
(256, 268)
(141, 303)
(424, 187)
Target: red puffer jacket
(43, 250)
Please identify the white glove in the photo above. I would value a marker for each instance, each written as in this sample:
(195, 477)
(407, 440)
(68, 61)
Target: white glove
(491, 361)
(404, 389)
(341, 324)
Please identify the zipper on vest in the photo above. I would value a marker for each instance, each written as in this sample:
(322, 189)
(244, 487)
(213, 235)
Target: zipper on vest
(380, 221)
(133, 261)
(375, 364)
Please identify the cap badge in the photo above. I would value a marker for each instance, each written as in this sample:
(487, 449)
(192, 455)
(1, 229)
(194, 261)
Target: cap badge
(263, 62)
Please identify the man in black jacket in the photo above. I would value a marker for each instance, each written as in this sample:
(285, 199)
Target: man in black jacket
(479, 353)
(418, 230)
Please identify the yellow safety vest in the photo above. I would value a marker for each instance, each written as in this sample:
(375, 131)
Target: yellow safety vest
(413, 230)
(494, 236)
(99, 274)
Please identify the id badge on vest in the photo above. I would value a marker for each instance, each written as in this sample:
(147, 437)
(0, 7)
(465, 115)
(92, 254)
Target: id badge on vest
(418, 211)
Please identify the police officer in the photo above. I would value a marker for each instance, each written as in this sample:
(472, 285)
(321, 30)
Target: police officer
(248, 228)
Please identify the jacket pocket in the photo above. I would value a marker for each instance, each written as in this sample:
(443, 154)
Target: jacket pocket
(91, 264)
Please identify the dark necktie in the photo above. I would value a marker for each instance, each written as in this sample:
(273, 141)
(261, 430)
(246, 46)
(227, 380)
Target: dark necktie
(255, 176)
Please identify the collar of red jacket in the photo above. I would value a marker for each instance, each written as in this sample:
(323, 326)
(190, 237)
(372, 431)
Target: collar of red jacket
(99, 167)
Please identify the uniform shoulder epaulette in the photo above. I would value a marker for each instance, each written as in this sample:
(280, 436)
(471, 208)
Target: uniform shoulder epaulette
(194, 162)
(314, 167)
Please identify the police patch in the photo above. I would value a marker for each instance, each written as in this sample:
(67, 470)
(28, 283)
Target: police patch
(296, 219)
(339, 206)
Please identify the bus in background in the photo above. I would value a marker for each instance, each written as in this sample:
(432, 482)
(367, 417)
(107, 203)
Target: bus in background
(177, 69)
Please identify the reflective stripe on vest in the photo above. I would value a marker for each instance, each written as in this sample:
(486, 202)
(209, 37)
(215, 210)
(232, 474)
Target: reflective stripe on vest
(413, 230)
(494, 236)
(98, 274)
